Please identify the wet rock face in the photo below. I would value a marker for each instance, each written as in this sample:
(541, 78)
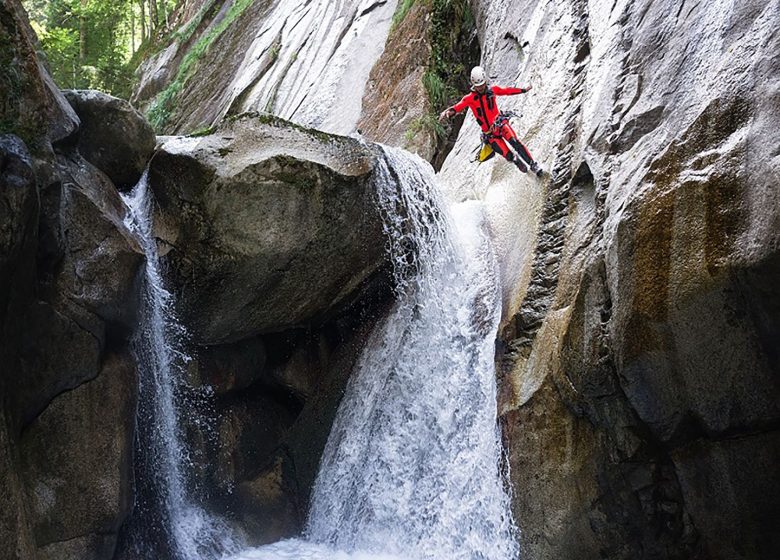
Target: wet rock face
(87, 431)
(113, 136)
(68, 292)
(640, 390)
(267, 226)
(304, 61)
(427, 58)
(395, 100)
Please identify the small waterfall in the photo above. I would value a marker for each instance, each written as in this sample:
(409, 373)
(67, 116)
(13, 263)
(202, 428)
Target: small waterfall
(412, 467)
(165, 522)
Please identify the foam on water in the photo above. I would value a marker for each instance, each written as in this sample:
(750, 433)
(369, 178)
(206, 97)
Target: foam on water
(298, 549)
(165, 519)
(412, 467)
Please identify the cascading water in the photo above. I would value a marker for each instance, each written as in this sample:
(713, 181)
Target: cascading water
(165, 521)
(412, 465)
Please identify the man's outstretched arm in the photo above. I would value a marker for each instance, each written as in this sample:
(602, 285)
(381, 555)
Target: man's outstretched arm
(450, 112)
(498, 90)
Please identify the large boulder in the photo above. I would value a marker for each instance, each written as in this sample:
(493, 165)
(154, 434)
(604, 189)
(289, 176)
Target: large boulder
(113, 137)
(68, 293)
(88, 269)
(266, 225)
(100, 265)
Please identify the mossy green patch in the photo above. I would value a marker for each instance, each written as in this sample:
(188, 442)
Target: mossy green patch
(279, 122)
(400, 12)
(429, 122)
(454, 49)
(205, 131)
(165, 102)
(185, 32)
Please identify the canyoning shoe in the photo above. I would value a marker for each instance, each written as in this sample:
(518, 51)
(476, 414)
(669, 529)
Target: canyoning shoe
(536, 169)
(521, 166)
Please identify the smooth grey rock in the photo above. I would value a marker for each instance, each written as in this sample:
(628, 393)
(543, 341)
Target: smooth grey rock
(113, 136)
(56, 354)
(101, 262)
(308, 65)
(18, 212)
(265, 226)
(77, 458)
(88, 272)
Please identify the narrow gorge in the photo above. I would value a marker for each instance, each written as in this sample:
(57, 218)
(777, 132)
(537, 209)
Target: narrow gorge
(270, 307)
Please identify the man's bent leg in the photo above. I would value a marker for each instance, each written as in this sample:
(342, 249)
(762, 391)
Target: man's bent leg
(499, 146)
(520, 148)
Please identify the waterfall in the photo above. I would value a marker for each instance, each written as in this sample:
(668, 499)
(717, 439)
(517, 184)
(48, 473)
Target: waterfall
(412, 467)
(165, 521)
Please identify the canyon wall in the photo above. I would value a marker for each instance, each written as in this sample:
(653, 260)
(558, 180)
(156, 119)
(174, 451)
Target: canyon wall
(639, 350)
(304, 61)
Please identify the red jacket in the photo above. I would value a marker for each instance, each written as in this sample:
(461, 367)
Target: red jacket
(484, 105)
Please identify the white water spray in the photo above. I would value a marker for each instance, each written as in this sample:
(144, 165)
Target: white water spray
(164, 512)
(412, 468)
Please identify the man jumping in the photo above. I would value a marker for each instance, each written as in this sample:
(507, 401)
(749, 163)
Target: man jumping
(496, 130)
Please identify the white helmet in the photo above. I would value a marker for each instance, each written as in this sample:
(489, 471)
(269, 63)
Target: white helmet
(478, 77)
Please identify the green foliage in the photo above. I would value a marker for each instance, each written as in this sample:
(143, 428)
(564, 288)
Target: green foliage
(165, 102)
(453, 51)
(439, 91)
(183, 34)
(90, 43)
(61, 46)
(203, 131)
(426, 123)
(274, 51)
(452, 30)
(400, 12)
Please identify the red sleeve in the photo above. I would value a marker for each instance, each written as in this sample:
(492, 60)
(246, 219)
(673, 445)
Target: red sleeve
(462, 104)
(498, 90)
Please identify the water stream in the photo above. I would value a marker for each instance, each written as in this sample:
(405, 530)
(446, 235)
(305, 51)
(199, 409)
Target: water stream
(412, 467)
(166, 521)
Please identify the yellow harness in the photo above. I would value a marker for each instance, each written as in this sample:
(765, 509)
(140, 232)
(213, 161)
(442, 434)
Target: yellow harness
(485, 153)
